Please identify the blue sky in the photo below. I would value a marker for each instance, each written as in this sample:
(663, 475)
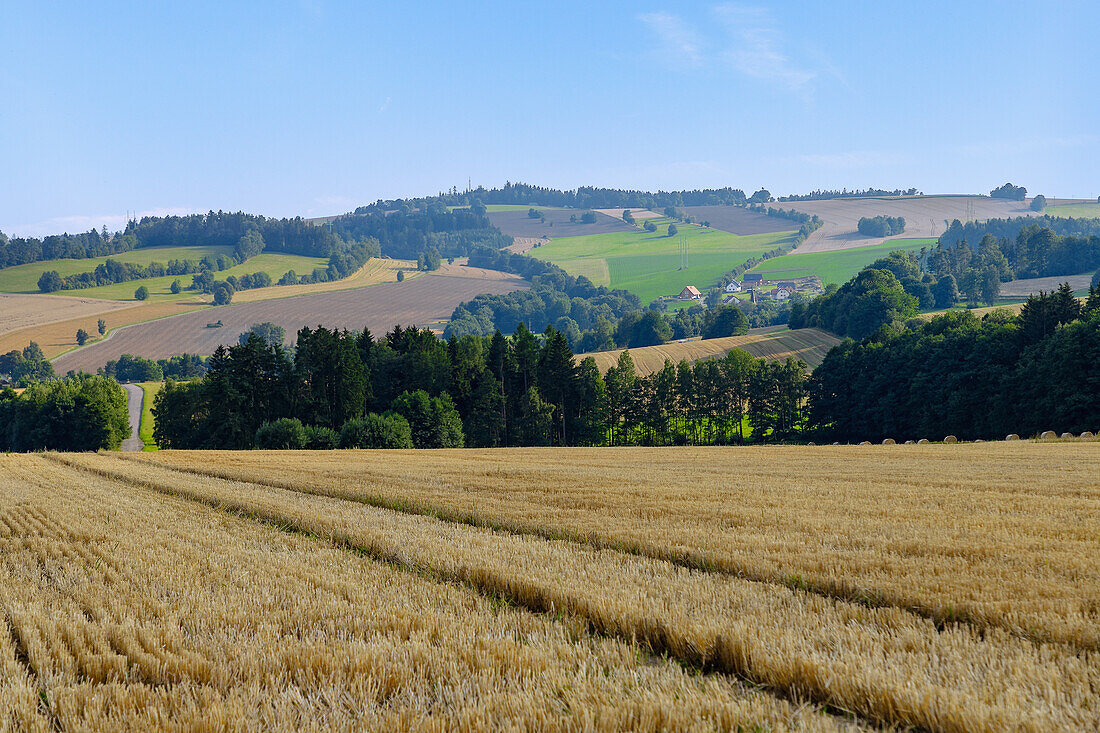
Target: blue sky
(315, 107)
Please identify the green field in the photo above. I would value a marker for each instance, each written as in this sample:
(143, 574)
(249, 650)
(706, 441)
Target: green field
(1086, 211)
(24, 278)
(647, 264)
(145, 428)
(834, 267)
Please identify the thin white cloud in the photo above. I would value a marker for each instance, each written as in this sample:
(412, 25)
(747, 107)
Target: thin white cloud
(680, 42)
(385, 105)
(77, 223)
(756, 47)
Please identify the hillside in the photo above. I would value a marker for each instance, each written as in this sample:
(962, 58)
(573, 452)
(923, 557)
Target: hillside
(421, 301)
(775, 343)
(925, 216)
(648, 264)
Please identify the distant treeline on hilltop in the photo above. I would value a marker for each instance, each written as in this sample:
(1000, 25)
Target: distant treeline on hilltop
(585, 197)
(293, 236)
(846, 194)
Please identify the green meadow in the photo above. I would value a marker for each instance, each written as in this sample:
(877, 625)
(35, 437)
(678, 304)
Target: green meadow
(834, 267)
(24, 278)
(1086, 211)
(648, 264)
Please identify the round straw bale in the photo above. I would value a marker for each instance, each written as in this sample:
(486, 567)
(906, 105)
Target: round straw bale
(950, 439)
(1048, 435)
(1012, 436)
(889, 441)
(922, 441)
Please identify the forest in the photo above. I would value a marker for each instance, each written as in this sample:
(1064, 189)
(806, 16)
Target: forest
(958, 375)
(349, 389)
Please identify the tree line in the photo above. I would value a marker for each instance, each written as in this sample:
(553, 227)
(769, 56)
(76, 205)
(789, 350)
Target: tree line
(958, 375)
(820, 195)
(78, 413)
(410, 388)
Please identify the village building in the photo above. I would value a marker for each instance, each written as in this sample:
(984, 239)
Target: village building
(690, 293)
(753, 277)
(733, 287)
(780, 294)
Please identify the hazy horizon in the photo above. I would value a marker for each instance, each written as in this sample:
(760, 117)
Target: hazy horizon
(313, 108)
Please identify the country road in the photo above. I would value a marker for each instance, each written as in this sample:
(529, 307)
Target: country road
(134, 397)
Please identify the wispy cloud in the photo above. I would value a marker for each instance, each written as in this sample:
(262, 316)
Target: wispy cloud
(385, 105)
(83, 222)
(746, 39)
(757, 47)
(680, 42)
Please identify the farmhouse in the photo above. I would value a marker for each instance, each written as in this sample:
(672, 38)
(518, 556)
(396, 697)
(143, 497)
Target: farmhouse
(780, 294)
(753, 277)
(690, 293)
(733, 287)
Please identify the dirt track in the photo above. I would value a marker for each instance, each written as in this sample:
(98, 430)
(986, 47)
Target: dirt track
(925, 216)
(421, 301)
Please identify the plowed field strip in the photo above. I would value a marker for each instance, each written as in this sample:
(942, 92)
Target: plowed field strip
(887, 665)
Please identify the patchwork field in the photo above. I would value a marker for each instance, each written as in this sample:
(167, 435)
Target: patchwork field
(925, 216)
(834, 267)
(647, 264)
(938, 587)
(775, 343)
(421, 301)
(58, 336)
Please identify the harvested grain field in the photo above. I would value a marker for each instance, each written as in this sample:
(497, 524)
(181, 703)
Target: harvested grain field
(774, 343)
(128, 609)
(943, 587)
(739, 220)
(419, 301)
(22, 311)
(1032, 286)
(637, 214)
(925, 216)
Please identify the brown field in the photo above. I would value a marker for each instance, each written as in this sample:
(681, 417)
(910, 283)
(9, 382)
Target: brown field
(739, 220)
(419, 301)
(775, 343)
(22, 311)
(943, 587)
(638, 214)
(924, 217)
(520, 245)
(1032, 286)
(128, 609)
(60, 336)
(518, 224)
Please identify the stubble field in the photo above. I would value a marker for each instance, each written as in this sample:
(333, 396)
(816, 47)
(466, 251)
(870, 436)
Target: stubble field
(942, 587)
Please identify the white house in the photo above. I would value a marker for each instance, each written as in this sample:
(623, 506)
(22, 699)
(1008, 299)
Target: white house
(780, 294)
(733, 287)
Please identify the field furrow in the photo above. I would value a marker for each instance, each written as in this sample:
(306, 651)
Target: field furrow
(885, 664)
(216, 622)
(974, 533)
